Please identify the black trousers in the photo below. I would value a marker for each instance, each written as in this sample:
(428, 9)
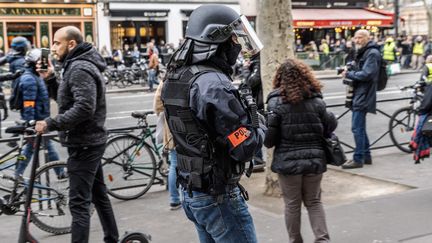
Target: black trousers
(87, 186)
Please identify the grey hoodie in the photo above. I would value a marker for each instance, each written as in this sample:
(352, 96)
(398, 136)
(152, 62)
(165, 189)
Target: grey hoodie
(80, 95)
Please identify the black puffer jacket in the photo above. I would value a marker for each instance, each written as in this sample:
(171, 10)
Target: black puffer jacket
(81, 99)
(296, 131)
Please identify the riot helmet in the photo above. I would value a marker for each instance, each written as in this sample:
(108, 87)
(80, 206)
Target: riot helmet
(20, 45)
(215, 24)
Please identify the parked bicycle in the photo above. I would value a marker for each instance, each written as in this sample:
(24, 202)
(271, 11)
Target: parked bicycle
(129, 162)
(403, 121)
(49, 201)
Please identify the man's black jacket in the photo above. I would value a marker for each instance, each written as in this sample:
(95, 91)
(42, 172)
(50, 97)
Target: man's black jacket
(80, 95)
(365, 78)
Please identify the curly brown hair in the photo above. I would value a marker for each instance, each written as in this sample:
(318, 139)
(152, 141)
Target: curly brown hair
(296, 81)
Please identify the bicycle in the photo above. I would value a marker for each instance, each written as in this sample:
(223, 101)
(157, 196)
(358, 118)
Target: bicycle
(402, 122)
(129, 162)
(50, 211)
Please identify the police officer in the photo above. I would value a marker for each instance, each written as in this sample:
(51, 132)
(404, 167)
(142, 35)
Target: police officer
(216, 131)
(19, 47)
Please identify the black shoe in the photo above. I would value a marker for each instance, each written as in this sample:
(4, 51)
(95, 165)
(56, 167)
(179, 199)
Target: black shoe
(368, 161)
(352, 165)
(175, 206)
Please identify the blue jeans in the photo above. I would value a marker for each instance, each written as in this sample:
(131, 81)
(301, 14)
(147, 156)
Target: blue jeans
(227, 222)
(152, 79)
(28, 153)
(358, 128)
(172, 177)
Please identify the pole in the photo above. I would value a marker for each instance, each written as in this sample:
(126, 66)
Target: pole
(396, 18)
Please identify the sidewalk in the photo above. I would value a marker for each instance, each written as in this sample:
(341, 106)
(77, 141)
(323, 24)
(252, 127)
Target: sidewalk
(401, 216)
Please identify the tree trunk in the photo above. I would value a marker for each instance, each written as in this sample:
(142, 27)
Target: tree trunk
(429, 17)
(275, 30)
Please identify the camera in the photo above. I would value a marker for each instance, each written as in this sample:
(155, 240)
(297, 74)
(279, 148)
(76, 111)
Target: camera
(44, 58)
(349, 83)
(248, 100)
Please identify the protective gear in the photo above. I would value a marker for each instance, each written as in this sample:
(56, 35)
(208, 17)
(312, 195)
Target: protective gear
(20, 45)
(199, 151)
(418, 48)
(389, 51)
(232, 50)
(429, 77)
(389, 40)
(215, 24)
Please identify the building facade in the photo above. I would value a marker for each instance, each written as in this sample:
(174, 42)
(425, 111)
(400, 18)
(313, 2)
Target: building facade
(136, 22)
(416, 19)
(37, 20)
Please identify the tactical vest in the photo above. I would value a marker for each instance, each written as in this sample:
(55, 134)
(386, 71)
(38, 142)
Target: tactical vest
(388, 52)
(196, 167)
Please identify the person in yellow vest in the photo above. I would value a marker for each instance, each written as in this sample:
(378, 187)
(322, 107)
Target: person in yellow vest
(325, 49)
(427, 70)
(418, 50)
(389, 51)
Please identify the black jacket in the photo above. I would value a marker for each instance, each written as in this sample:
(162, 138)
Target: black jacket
(365, 77)
(81, 99)
(297, 131)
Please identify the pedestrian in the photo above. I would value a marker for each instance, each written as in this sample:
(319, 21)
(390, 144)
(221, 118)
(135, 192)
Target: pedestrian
(389, 51)
(427, 70)
(169, 146)
(364, 80)
(153, 65)
(417, 55)
(35, 106)
(406, 52)
(299, 46)
(210, 124)
(80, 122)
(297, 123)
(325, 58)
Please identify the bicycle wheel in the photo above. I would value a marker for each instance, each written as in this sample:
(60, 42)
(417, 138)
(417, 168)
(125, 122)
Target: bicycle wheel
(50, 201)
(134, 237)
(401, 127)
(129, 171)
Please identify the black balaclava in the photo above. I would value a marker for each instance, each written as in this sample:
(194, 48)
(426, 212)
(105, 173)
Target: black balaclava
(230, 51)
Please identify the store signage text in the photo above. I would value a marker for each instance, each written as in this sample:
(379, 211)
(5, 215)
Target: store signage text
(341, 23)
(155, 14)
(40, 11)
(305, 23)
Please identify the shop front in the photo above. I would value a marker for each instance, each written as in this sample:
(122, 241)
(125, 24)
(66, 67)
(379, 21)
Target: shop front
(135, 23)
(316, 24)
(39, 21)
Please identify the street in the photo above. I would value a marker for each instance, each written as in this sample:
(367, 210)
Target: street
(368, 216)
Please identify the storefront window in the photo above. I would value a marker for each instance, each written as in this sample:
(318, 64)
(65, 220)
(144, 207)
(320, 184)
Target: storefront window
(27, 30)
(137, 33)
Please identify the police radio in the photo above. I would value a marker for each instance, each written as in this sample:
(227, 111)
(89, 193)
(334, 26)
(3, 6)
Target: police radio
(248, 100)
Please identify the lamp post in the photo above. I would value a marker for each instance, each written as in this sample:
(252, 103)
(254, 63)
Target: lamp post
(396, 17)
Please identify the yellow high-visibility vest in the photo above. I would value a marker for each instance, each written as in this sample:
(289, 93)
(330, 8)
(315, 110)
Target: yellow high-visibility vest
(418, 49)
(326, 48)
(429, 77)
(388, 52)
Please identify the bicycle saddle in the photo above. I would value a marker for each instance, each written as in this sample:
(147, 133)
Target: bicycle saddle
(141, 114)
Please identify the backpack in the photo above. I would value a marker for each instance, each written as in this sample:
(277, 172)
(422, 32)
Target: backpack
(16, 98)
(383, 76)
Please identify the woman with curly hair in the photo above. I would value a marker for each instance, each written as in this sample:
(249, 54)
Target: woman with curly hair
(297, 122)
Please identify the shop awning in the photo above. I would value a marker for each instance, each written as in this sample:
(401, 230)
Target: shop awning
(331, 18)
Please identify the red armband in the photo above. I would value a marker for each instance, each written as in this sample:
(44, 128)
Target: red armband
(239, 136)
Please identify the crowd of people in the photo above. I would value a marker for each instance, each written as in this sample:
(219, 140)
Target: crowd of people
(409, 51)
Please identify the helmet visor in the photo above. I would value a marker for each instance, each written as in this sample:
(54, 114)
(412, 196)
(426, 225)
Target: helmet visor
(246, 36)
